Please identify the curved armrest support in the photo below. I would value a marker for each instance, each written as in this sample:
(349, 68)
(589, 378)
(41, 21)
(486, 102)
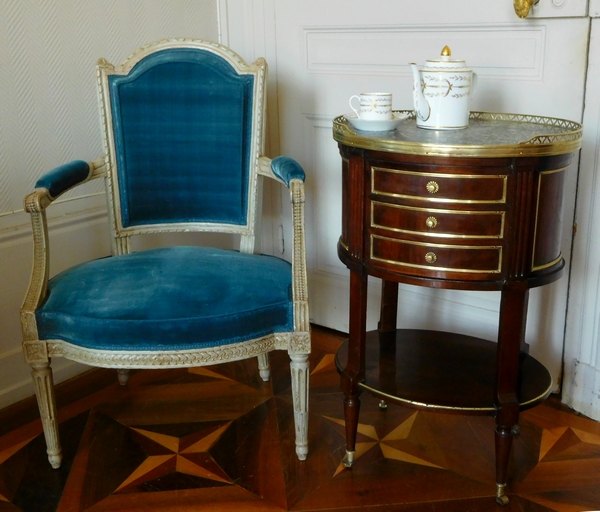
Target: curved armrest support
(48, 187)
(64, 177)
(290, 173)
(300, 288)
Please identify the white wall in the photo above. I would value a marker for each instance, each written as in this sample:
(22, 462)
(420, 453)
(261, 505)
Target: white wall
(582, 340)
(48, 116)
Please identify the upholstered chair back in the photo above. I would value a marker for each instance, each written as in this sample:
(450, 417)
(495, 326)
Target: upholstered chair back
(182, 140)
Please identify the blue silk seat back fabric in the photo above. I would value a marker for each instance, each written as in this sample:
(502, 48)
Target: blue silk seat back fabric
(182, 121)
(182, 126)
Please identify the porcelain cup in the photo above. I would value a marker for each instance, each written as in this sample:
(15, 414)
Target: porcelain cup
(373, 106)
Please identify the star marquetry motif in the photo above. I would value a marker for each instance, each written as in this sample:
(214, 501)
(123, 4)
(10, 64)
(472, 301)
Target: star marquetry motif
(169, 454)
(556, 440)
(326, 363)
(387, 443)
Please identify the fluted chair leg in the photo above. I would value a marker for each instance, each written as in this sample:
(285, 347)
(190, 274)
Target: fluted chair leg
(123, 374)
(299, 370)
(263, 366)
(44, 390)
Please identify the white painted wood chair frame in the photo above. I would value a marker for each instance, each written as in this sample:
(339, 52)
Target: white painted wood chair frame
(38, 353)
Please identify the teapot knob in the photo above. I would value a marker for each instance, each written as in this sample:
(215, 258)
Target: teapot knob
(446, 52)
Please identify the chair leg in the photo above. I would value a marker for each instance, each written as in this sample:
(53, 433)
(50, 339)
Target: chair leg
(263, 366)
(44, 390)
(299, 370)
(123, 374)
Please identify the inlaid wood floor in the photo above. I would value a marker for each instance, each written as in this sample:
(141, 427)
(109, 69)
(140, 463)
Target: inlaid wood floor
(218, 439)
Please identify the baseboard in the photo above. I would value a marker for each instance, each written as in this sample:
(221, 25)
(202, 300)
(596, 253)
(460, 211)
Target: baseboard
(582, 393)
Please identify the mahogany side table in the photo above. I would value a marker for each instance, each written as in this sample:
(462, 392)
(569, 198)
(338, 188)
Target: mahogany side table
(472, 209)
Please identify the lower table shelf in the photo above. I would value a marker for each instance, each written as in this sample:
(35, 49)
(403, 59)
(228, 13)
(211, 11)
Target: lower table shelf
(442, 371)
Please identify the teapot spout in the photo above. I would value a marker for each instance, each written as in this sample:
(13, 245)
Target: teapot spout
(422, 108)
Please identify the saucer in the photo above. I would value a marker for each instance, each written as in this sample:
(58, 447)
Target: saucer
(375, 126)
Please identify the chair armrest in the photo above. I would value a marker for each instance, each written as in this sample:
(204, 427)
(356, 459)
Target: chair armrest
(281, 168)
(286, 170)
(49, 187)
(66, 176)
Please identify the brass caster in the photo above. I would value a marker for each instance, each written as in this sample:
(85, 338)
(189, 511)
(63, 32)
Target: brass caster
(383, 405)
(348, 459)
(501, 498)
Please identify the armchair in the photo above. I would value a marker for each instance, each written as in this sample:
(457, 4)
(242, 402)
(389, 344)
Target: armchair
(184, 139)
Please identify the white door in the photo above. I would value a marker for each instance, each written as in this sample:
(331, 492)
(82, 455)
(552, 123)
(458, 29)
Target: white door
(321, 52)
(582, 340)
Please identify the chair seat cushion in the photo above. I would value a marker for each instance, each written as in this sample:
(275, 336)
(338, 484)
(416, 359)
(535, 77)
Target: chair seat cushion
(172, 298)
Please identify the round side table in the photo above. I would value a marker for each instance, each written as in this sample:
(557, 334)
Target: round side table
(472, 209)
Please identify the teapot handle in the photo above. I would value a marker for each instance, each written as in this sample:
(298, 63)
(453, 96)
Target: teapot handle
(474, 82)
(422, 107)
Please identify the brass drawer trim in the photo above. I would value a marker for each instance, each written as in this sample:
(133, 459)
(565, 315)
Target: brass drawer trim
(547, 265)
(432, 176)
(433, 247)
(438, 211)
(535, 268)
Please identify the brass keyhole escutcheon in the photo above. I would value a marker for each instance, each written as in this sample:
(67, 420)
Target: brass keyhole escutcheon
(432, 187)
(431, 222)
(430, 257)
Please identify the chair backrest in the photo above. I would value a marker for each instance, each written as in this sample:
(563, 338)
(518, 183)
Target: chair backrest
(183, 129)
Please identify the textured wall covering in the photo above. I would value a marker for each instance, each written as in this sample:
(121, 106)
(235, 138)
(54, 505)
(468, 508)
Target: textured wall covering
(48, 52)
(49, 115)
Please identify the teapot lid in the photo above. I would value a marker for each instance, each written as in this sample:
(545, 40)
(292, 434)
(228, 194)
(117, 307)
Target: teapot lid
(445, 62)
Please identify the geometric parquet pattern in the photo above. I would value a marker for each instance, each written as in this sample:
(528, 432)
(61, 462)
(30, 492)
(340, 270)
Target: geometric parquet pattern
(219, 439)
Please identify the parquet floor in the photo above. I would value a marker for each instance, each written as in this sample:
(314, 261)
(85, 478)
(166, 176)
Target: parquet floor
(218, 439)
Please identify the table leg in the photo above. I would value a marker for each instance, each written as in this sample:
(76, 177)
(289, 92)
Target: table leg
(388, 321)
(388, 317)
(511, 333)
(354, 372)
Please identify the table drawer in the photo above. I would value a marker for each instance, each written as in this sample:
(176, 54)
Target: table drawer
(438, 187)
(437, 223)
(454, 258)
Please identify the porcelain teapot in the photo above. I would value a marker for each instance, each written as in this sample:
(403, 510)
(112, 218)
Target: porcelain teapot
(442, 91)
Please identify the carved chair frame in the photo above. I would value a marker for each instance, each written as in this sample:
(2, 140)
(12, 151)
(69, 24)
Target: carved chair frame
(38, 352)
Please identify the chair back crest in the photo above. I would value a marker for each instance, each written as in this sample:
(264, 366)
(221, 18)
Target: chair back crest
(183, 130)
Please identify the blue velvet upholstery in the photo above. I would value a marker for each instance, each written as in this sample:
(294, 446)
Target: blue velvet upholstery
(287, 169)
(182, 126)
(170, 298)
(62, 178)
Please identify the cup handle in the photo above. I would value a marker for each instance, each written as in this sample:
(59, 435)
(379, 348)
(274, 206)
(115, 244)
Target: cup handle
(350, 103)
